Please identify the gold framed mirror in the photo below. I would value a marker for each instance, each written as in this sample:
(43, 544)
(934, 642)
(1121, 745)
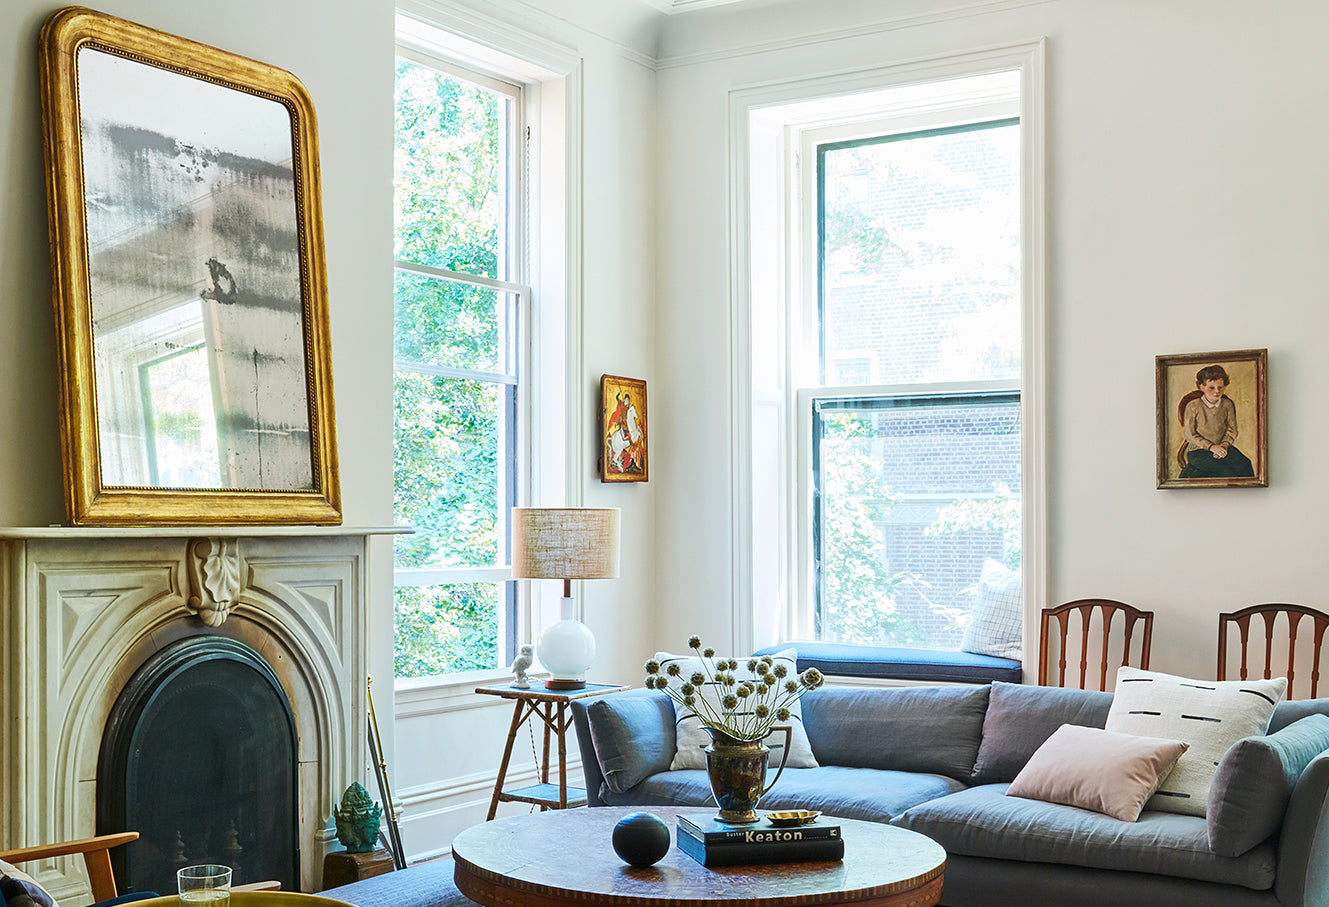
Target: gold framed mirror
(189, 281)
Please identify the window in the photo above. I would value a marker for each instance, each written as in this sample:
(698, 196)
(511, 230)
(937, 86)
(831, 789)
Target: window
(459, 387)
(915, 466)
(889, 343)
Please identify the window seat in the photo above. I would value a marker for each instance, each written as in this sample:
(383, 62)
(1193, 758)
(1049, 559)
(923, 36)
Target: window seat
(882, 662)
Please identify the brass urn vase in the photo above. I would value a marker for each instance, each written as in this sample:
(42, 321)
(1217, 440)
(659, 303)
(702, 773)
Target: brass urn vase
(737, 772)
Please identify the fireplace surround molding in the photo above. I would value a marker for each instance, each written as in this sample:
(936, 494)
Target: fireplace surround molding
(81, 610)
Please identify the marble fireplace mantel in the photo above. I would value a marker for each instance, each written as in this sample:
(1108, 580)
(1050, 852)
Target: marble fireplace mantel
(82, 608)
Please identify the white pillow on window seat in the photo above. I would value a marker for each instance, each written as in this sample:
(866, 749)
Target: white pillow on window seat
(996, 626)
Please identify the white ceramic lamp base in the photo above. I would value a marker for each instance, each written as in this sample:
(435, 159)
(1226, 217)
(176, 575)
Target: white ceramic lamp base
(566, 648)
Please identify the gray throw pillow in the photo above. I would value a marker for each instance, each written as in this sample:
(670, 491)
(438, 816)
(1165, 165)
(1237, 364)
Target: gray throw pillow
(633, 737)
(1254, 782)
(1020, 718)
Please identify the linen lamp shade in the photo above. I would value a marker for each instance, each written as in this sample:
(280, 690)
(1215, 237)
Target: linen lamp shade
(565, 543)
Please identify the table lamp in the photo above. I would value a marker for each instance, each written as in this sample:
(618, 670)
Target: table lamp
(565, 543)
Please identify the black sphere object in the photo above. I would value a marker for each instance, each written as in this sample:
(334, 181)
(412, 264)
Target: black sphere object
(641, 839)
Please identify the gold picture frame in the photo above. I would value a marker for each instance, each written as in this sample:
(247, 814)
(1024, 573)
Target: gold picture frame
(189, 281)
(623, 434)
(1217, 439)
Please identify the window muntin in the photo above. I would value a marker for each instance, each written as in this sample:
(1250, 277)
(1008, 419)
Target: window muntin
(918, 286)
(457, 384)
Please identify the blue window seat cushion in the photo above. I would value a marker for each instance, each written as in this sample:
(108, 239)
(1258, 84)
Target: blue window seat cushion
(901, 663)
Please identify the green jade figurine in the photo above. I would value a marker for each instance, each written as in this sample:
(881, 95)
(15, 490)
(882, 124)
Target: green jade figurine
(357, 819)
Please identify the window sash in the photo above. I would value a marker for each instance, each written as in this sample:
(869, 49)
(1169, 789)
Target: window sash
(514, 362)
(879, 397)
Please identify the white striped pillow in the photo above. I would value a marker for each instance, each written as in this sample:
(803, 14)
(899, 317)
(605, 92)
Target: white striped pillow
(1209, 715)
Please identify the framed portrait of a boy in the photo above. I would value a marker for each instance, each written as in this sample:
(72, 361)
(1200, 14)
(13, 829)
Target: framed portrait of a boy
(1212, 422)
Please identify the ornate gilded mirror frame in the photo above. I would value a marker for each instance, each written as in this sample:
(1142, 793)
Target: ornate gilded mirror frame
(189, 281)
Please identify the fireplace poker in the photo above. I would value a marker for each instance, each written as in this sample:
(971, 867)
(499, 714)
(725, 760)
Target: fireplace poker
(381, 771)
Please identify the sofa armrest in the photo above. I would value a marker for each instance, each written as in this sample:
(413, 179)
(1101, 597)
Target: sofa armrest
(1303, 843)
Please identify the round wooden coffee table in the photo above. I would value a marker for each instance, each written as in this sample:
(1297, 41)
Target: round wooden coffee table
(565, 857)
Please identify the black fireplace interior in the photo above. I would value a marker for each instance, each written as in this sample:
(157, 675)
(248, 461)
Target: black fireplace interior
(199, 757)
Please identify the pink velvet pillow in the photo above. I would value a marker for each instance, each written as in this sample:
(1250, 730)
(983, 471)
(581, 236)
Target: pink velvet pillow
(1103, 771)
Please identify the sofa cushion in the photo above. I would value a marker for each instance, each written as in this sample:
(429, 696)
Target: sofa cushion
(984, 822)
(691, 735)
(854, 793)
(1020, 718)
(909, 729)
(633, 737)
(1254, 782)
(18, 889)
(996, 625)
(1295, 710)
(1098, 770)
(896, 663)
(1210, 715)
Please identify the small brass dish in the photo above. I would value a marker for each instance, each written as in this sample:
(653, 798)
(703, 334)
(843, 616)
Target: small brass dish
(792, 817)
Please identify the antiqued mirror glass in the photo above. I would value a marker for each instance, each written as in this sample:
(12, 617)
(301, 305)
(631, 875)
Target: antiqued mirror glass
(188, 261)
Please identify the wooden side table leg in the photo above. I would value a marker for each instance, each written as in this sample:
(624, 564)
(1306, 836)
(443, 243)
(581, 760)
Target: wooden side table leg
(544, 765)
(562, 759)
(517, 718)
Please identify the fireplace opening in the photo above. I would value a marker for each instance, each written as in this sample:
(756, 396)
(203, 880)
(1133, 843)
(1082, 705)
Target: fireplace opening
(199, 756)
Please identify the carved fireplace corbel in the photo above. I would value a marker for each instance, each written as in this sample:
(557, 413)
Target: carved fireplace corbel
(215, 578)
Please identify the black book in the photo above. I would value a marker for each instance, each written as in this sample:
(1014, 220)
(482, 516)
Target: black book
(798, 850)
(711, 831)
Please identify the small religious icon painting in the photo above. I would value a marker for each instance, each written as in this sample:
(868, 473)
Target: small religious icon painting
(1212, 426)
(623, 456)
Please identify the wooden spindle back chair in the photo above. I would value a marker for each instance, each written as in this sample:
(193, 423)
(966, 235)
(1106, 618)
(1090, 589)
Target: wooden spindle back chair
(1313, 631)
(1087, 609)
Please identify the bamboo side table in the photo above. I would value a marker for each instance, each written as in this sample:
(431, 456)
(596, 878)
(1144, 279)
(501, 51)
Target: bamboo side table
(550, 706)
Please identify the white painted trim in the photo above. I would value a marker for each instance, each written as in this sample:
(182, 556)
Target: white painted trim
(1034, 382)
(863, 30)
(1028, 58)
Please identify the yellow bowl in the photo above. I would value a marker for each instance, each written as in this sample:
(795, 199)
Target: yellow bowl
(791, 817)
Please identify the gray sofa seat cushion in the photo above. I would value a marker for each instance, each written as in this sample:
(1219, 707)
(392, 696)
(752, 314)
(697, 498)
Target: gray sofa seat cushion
(853, 793)
(984, 822)
(1021, 718)
(935, 730)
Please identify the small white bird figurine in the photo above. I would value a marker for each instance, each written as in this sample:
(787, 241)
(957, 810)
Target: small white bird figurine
(519, 666)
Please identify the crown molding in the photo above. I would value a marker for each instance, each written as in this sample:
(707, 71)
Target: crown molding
(860, 30)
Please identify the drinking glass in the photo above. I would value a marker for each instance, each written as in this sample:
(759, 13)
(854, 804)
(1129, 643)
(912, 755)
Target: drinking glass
(209, 882)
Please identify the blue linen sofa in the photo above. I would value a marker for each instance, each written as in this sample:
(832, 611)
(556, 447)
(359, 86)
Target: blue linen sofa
(938, 760)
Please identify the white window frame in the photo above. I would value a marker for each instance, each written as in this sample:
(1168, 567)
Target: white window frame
(512, 261)
(548, 255)
(769, 610)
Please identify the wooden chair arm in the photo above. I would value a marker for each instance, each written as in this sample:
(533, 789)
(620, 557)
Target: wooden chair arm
(65, 848)
(96, 857)
(270, 885)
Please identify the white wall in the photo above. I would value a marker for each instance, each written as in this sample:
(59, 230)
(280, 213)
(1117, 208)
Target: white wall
(1186, 211)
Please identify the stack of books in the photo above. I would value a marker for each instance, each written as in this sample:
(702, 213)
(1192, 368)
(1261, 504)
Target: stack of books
(713, 843)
